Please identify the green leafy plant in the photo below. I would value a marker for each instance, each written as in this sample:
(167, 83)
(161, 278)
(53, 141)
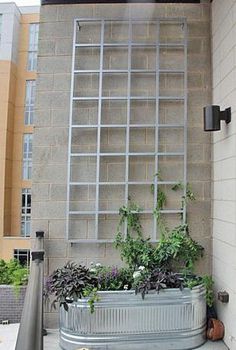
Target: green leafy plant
(112, 277)
(208, 283)
(13, 273)
(166, 264)
(70, 283)
(189, 196)
(135, 251)
(178, 251)
(129, 215)
(157, 279)
(161, 196)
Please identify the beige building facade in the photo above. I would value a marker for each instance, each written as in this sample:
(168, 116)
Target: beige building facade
(18, 59)
(224, 163)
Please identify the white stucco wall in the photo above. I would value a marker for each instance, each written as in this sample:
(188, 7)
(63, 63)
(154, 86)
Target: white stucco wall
(224, 162)
(10, 32)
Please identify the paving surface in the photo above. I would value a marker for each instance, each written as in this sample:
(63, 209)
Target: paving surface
(8, 336)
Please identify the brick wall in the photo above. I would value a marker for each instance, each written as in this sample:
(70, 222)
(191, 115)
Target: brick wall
(51, 131)
(224, 163)
(11, 303)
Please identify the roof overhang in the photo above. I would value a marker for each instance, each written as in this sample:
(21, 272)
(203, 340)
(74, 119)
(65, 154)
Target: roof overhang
(65, 2)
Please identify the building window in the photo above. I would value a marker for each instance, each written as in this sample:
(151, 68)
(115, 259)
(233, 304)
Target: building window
(23, 256)
(33, 47)
(27, 157)
(26, 212)
(29, 102)
(0, 28)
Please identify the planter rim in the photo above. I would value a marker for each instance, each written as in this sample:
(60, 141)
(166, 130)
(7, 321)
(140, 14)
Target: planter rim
(11, 286)
(125, 296)
(152, 291)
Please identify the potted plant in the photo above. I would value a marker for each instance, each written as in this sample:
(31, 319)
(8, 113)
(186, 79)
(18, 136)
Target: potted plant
(101, 307)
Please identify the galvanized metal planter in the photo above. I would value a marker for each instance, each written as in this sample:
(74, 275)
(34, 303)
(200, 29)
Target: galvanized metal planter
(172, 319)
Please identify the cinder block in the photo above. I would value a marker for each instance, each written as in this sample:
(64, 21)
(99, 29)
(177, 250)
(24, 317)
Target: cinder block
(199, 29)
(49, 173)
(83, 170)
(51, 64)
(42, 117)
(116, 172)
(51, 30)
(58, 192)
(45, 82)
(137, 171)
(199, 171)
(40, 192)
(114, 58)
(195, 153)
(60, 99)
(62, 82)
(39, 225)
(47, 47)
(147, 11)
(43, 100)
(198, 136)
(41, 154)
(56, 248)
(68, 13)
(107, 11)
(48, 14)
(57, 229)
(49, 210)
(195, 80)
(195, 46)
(60, 117)
(63, 47)
(86, 251)
(191, 11)
(50, 136)
(59, 154)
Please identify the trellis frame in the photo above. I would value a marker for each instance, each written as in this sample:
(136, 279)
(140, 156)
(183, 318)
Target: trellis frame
(128, 98)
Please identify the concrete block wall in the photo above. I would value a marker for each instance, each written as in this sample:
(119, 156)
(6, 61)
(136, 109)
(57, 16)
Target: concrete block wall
(11, 304)
(52, 120)
(224, 163)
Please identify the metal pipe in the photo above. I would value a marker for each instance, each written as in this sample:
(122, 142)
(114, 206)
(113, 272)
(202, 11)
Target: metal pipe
(30, 335)
(39, 240)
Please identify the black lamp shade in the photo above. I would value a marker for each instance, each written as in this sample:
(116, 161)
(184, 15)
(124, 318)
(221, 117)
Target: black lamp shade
(211, 118)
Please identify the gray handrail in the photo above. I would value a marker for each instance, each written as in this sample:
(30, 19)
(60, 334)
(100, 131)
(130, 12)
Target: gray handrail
(30, 335)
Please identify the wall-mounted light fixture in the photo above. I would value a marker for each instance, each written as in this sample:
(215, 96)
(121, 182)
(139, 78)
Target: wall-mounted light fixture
(213, 115)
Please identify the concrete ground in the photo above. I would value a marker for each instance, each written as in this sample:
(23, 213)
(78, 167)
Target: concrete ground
(8, 336)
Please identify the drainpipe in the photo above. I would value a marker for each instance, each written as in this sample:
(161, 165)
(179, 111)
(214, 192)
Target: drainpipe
(39, 244)
(30, 335)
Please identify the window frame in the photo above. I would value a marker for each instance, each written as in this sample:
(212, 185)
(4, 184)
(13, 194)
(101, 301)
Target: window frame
(30, 87)
(22, 252)
(25, 212)
(27, 157)
(33, 47)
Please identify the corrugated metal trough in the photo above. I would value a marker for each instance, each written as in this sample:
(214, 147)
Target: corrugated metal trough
(172, 319)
